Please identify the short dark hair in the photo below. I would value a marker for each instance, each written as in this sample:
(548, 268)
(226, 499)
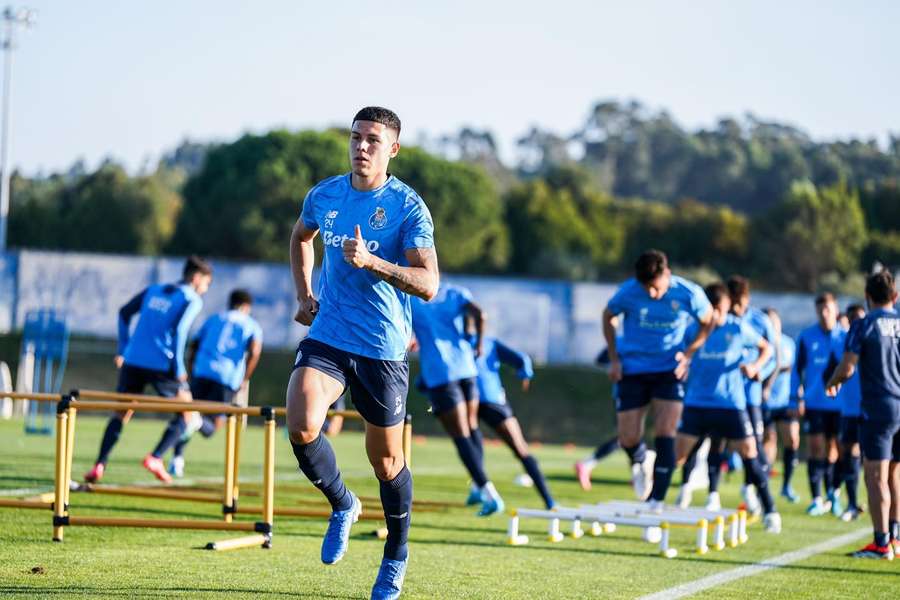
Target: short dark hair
(193, 265)
(738, 287)
(377, 114)
(880, 287)
(853, 311)
(239, 297)
(650, 265)
(825, 298)
(715, 292)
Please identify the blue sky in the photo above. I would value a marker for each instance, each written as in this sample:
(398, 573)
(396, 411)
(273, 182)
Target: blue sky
(131, 79)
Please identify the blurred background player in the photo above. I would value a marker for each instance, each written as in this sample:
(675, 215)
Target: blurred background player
(715, 404)
(450, 378)
(494, 410)
(359, 332)
(226, 351)
(154, 354)
(850, 398)
(652, 361)
(781, 413)
(822, 414)
(873, 345)
(759, 321)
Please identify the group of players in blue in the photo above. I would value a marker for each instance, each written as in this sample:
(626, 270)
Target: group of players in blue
(702, 361)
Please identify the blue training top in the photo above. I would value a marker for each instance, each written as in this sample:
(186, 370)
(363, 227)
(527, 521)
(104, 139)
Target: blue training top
(166, 314)
(224, 340)
(359, 312)
(876, 340)
(445, 353)
(715, 379)
(761, 324)
(780, 395)
(814, 349)
(496, 353)
(654, 330)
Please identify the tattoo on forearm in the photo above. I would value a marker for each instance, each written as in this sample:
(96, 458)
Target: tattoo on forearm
(415, 280)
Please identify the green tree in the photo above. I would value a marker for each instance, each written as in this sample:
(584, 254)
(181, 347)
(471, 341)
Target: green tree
(813, 232)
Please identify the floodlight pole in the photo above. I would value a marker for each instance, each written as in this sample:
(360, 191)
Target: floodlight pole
(13, 18)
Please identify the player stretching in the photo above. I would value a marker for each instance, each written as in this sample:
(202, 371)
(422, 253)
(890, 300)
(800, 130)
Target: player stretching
(154, 354)
(226, 352)
(449, 376)
(822, 413)
(781, 414)
(850, 398)
(494, 410)
(873, 345)
(652, 360)
(379, 249)
(739, 290)
(715, 404)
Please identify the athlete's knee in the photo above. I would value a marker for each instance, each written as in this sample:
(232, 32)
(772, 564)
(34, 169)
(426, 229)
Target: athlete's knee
(386, 467)
(629, 439)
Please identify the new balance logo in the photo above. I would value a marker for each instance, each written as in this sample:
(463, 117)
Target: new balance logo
(398, 405)
(400, 516)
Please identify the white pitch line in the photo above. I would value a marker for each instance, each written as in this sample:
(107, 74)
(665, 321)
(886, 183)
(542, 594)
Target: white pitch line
(699, 585)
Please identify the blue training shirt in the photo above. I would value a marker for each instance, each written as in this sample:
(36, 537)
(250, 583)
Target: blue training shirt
(445, 353)
(224, 340)
(780, 395)
(654, 330)
(166, 314)
(814, 350)
(495, 354)
(876, 340)
(359, 312)
(716, 380)
(761, 324)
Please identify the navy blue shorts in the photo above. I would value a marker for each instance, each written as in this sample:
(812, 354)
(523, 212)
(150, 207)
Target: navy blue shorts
(850, 430)
(727, 423)
(637, 390)
(445, 397)
(207, 389)
(133, 380)
(879, 438)
(494, 414)
(756, 419)
(827, 422)
(778, 415)
(377, 387)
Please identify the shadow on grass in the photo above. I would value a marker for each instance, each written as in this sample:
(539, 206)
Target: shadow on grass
(94, 592)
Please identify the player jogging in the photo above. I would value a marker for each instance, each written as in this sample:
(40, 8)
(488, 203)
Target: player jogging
(494, 410)
(781, 413)
(154, 353)
(226, 351)
(873, 346)
(652, 360)
(715, 404)
(379, 249)
(822, 414)
(449, 376)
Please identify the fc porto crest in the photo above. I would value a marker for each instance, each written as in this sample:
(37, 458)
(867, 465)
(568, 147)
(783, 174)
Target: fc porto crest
(378, 219)
(675, 305)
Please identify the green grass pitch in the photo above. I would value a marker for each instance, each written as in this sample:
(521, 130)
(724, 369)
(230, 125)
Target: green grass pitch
(454, 554)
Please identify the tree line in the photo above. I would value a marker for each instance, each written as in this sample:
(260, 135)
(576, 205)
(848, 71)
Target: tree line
(756, 198)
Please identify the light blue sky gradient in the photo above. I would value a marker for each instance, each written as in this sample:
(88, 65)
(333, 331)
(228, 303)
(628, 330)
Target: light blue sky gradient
(131, 79)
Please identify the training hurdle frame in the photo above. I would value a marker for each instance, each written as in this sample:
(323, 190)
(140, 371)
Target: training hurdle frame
(605, 517)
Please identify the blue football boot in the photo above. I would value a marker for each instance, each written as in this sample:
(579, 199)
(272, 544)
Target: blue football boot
(337, 537)
(389, 582)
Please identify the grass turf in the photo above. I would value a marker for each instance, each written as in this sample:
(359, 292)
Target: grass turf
(454, 554)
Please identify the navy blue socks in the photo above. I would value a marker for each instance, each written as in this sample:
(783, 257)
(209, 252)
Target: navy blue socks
(829, 477)
(606, 448)
(637, 454)
(396, 500)
(816, 471)
(534, 471)
(110, 437)
(760, 480)
(171, 436)
(318, 463)
(790, 462)
(478, 440)
(851, 480)
(665, 465)
(471, 458)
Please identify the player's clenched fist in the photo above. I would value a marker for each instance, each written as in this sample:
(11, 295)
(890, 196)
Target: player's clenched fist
(355, 251)
(307, 310)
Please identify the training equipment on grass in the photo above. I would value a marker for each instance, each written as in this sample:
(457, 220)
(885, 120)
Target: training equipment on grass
(42, 358)
(606, 517)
